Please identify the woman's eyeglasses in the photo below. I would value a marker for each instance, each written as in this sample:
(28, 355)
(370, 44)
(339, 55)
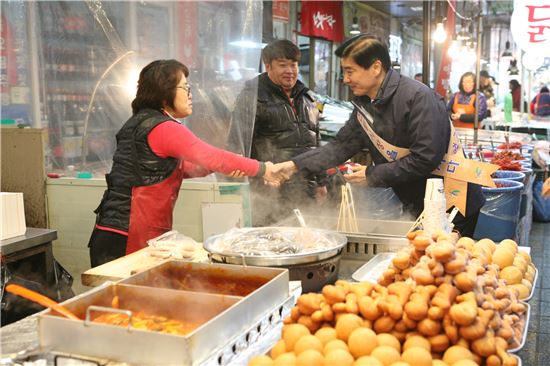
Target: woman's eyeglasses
(186, 88)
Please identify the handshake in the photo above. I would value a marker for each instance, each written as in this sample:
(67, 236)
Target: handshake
(277, 174)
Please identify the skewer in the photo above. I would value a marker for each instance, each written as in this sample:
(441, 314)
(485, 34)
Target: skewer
(415, 224)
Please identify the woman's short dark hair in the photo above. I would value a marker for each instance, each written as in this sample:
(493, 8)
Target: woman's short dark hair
(281, 48)
(544, 89)
(466, 74)
(514, 84)
(157, 84)
(365, 50)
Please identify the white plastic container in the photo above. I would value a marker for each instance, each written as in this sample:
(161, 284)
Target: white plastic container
(13, 215)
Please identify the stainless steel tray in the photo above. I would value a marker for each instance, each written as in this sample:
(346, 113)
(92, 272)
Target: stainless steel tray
(525, 329)
(148, 347)
(374, 268)
(534, 284)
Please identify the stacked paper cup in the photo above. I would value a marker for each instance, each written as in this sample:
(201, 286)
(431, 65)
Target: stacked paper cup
(435, 217)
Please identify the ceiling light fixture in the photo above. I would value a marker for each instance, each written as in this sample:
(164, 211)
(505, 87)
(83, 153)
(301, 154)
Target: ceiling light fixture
(440, 34)
(507, 52)
(354, 27)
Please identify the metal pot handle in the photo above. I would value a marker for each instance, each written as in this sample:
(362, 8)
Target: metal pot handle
(105, 309)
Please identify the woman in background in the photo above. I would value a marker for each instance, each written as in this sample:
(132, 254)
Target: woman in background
(515, 89)
(154, 153)
(540, 105)
(462, 105)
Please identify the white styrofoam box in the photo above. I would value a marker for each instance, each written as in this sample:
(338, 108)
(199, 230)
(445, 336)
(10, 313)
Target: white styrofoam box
(13, 215)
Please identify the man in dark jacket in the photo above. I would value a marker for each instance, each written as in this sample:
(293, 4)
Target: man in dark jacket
(406, 114)
(286, 124)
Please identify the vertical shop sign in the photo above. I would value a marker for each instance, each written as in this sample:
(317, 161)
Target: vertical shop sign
(188, 32)
(444, 72)
(281, 10)
(530, 26)
(322, 19)
(8, 68)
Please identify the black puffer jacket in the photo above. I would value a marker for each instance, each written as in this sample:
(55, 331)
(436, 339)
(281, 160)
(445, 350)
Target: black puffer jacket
(134, 164)
(283, 128)
(407, 114)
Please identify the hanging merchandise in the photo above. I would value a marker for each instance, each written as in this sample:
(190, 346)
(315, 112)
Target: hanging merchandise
(322, 19)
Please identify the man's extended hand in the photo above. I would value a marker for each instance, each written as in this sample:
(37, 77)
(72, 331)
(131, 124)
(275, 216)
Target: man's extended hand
(276, 174)
(358, 176)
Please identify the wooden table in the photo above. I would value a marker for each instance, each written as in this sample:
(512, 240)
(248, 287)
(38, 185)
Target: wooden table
(120, 268)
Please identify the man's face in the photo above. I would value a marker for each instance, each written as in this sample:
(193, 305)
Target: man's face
(283, 72)
(363, 81)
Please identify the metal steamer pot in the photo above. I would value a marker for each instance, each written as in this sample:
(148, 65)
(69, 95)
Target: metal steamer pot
(315, 267)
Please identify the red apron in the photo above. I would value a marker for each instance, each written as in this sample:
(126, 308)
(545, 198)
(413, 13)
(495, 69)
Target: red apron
(464, 109)
(151, 210)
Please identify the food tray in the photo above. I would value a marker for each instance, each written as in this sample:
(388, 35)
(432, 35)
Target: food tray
(534, 284)
(374, 268)
(525, 329)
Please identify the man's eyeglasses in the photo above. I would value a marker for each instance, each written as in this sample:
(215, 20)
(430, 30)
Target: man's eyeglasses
(186, 88)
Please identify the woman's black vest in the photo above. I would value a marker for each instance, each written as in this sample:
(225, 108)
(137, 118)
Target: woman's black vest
(134, 165)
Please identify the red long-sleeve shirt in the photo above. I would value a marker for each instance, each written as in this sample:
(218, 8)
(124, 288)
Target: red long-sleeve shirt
(171, 139)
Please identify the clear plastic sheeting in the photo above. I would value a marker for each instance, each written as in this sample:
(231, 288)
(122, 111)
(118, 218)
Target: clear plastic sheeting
(273, 241)
(87, 56)
(377, 203)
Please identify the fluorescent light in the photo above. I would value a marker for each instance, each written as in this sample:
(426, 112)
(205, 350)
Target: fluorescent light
(416, 8)
(247, 44)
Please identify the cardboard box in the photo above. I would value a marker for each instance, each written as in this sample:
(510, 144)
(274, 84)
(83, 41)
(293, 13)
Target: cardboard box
(13, 215)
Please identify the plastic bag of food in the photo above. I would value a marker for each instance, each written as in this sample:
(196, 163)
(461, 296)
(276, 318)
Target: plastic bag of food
(173, 244)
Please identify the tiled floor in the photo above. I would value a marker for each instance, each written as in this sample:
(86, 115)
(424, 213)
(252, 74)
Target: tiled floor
(536, 351)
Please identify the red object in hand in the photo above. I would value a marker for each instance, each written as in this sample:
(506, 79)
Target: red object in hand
(343, 168)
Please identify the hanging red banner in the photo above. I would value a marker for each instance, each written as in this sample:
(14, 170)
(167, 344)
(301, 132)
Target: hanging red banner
(444, 72)
(188, 32)
(8, 66)
(322, 19)
(281, 10)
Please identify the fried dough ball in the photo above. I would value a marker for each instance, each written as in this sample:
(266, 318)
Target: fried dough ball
(417, 341)
(417, 356)
(286, 359)
(326, 334)
(346, 324)
(386, 354)
(386, 339)
(308, 342)
(335, 344)
(339, 357)
(361, 342)
(503, 256)
(457, 353)
(278, 349)
(367, 361)
(510, 244)
(310, 357)
(293, 332)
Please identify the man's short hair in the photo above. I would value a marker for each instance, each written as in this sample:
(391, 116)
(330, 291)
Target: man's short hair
(281, 48)
(365, 50)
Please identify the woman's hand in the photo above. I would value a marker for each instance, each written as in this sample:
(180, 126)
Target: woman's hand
(455, 116)
(358, 176)
(235, 174)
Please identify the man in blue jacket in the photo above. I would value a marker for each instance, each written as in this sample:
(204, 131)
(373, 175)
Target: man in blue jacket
(406, 114)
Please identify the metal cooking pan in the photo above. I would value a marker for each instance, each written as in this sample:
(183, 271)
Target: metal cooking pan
(221, 250)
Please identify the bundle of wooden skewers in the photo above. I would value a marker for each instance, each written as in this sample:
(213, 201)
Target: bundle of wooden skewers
(347, 219)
